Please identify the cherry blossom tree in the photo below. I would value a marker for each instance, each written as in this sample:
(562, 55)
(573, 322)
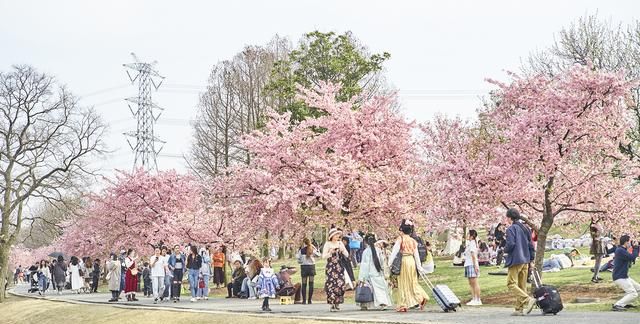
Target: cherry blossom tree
(454, 161)
(353, 167)
(139, 210)
(555, 147)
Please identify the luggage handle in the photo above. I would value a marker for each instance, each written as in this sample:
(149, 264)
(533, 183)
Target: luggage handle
(426, 280)
(537, 281)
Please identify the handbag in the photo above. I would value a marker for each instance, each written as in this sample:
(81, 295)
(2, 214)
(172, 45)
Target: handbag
(201, 283)
(396, 265)
(364, 293)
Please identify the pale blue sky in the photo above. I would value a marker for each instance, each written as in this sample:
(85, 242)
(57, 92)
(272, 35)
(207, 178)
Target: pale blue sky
(441, 51)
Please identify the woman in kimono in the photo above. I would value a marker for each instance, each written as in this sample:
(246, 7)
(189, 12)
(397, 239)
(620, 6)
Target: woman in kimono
(113, 276)
(410, 293)
(372, 272)
(131, 276)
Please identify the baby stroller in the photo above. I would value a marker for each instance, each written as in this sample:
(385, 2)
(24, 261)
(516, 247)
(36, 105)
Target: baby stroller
(33, 281)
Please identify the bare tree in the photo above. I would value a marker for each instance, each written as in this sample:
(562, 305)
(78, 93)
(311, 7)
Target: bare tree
(605, 46)
(47, 221)
(45, 141)
(233, 105)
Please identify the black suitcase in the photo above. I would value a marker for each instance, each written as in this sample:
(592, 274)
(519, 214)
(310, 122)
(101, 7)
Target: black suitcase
(547, 297)
(445, 298)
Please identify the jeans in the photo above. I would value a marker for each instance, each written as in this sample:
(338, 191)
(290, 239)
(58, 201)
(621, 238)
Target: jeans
(42, 283)
(248, 288)
(157, 282)
(167, 287)
(177, 283)
(193, 281)
(631, 289)
(204, 292)
(550, 264)
(517, 284)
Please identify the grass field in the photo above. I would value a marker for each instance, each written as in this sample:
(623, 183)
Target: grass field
(27, 310)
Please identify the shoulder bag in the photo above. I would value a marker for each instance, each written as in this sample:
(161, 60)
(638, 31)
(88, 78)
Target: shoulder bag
(396, 265)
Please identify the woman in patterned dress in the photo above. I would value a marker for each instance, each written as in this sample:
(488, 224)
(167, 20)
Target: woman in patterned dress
(334, 286)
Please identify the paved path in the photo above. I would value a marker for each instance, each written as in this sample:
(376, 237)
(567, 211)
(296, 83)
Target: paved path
(349, 313)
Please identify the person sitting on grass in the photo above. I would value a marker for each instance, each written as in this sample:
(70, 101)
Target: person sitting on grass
(620, 275)
(484, 256)
(237, 276)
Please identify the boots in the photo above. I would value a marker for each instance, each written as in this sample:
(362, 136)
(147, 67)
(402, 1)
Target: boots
(310, 292)
(304, 293)
(133, 297)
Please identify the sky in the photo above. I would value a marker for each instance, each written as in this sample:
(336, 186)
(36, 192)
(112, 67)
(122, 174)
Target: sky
(441, 51)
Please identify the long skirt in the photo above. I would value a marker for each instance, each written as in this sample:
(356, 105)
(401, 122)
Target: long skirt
(410, 293)
(130, 283)
(381, 294)
(334, 285)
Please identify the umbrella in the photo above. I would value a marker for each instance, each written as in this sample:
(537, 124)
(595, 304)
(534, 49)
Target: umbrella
(56, 254)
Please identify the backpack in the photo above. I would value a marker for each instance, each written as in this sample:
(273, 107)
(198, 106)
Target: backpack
(422, 249)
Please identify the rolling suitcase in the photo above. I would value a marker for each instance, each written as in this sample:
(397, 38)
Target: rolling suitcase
(547, 297)
(447, 300)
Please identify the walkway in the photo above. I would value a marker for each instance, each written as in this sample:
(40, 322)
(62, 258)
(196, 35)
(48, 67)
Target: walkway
(349, 313)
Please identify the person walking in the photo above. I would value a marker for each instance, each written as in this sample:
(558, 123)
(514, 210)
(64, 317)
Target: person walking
(176, 268)
(306, 257)
(44, 275)
(194, 263)
(60, 274)
(205, 271)
(472, 267)
(95, 276)
(113, 276)
(372, 272)
(334, 250)
(520, 254)
(621, 264)
(157, 263)
(74, 275)
(131, 275)
(410, 293)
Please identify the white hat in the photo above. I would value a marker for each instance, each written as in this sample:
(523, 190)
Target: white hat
(332, 232)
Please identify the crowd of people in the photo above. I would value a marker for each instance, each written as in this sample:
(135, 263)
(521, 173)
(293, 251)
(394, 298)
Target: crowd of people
(390, 270)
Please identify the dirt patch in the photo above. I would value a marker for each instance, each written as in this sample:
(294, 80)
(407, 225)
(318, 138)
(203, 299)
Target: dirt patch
(569, 293)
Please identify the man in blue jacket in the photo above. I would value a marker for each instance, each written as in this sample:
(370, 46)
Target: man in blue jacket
(621, 263)
(520, 253)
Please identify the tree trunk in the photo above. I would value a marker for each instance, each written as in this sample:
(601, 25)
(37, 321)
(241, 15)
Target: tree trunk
(545, 226)
(5, 249)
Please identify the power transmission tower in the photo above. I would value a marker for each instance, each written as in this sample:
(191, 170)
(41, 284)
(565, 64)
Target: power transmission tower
(146, 113)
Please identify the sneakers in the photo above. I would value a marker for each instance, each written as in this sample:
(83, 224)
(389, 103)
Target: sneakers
(517, 313)
(155, 301)
(530, 305)
(617, 308)
(475, 302)
(193, 300)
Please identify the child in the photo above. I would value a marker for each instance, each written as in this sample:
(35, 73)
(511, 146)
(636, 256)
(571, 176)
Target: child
(471, 267)
(146, 277)
(267, 284)
(218, 268)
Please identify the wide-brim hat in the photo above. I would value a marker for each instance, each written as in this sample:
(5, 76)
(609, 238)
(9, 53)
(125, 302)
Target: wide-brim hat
(332, 232)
